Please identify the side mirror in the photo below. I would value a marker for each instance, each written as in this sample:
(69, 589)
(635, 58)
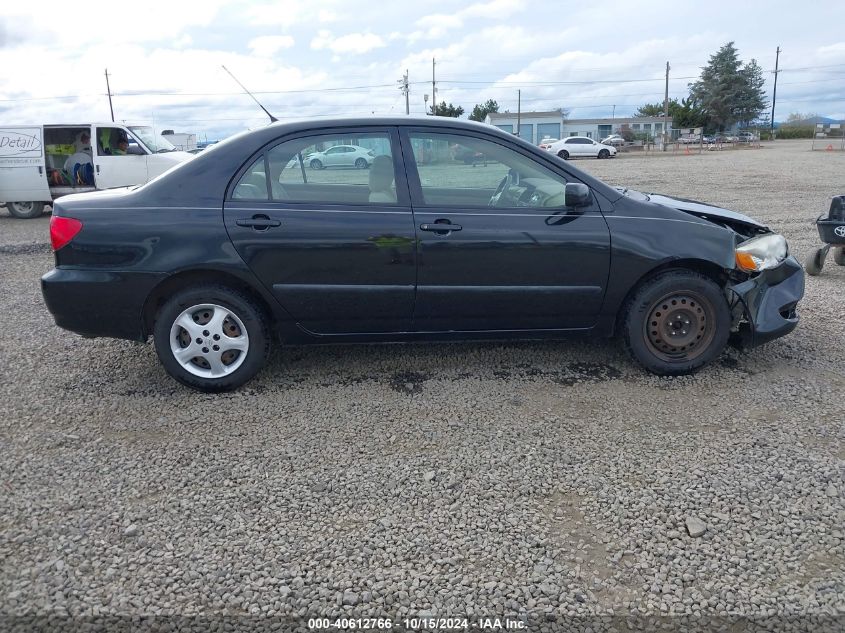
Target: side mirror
(577, 195)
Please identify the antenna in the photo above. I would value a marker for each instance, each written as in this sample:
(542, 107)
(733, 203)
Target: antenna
(272, 118)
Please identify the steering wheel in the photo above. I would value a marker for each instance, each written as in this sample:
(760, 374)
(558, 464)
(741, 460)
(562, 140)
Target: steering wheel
(504, 185)
(494, 199)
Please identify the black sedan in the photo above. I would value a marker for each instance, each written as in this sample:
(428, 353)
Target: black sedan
(245, 244)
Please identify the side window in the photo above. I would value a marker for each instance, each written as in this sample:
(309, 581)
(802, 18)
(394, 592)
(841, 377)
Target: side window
(334, 169)
(114, 141)
(465, 171)
(253, 183)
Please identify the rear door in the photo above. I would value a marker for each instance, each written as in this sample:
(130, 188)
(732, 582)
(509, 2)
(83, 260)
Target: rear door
(118, 170)
(497, 247)
(338, 262)
(23, 176)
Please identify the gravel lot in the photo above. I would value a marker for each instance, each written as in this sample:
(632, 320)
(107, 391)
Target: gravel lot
(553, 481)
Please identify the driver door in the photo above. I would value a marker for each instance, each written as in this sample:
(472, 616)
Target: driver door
(112, 170)
(496, 247)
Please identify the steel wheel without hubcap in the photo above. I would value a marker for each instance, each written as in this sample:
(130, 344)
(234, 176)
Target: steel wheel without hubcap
(680, 326)
(25, 210)
(209, 341)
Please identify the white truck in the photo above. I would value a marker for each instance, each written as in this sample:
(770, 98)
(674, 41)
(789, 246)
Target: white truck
(39, 163)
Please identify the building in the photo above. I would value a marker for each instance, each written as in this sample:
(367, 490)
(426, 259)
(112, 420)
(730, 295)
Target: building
(535, 126)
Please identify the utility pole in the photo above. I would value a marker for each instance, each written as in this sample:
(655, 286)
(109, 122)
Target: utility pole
(108, 89)
(433, 91)
(405, 91)
(775, 93)
(518, 111)
(666, 111)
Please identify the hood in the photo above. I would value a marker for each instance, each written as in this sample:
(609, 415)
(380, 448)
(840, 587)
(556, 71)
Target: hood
(698, 209)
(703, 210)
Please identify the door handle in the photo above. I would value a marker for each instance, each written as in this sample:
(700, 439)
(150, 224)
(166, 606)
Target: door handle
(441, 228)
(98, 169)
(258, 222)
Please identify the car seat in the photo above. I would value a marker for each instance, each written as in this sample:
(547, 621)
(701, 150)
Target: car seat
(381, 180)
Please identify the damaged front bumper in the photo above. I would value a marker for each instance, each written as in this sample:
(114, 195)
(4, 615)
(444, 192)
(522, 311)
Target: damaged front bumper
(765, 306)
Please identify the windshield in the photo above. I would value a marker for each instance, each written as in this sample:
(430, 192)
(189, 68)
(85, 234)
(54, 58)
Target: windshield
(157, 144)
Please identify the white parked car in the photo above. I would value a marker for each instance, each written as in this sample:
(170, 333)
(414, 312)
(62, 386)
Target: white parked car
(616, 140)
(546, 143)
(341, 156)
(578, 146)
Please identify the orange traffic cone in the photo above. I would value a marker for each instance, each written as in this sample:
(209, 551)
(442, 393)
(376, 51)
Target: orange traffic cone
(686, 150)
(829, 148)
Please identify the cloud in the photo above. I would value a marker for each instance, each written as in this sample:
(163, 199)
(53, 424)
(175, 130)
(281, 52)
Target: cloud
(268, 45)
(353, 43)
(325, 16)
(437, 25)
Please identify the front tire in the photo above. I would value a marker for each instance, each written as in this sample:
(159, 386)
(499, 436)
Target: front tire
(316, 164)
(563, 154)
(361, 163)
(25, 210)
(211, 338)
(676, 323)
(604, 154)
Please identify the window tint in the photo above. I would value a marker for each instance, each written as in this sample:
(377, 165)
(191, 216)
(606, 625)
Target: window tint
(347, 169)
(253, 184)
(461, 171)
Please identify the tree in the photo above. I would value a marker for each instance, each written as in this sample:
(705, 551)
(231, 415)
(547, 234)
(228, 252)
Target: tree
(684, 113)
(480, 112)
(447, 110)
(728, 92)
(752, 101)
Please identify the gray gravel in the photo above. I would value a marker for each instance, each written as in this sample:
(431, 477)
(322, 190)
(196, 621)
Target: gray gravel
(554, 481)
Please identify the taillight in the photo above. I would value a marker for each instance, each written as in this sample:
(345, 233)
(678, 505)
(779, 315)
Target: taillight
(63, 230)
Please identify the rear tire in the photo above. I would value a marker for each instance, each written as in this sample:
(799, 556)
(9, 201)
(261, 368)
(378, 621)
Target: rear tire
(676, 323)
(814, 263)
(839, 256)
(563, 154)
(25, 210)
(220, 336)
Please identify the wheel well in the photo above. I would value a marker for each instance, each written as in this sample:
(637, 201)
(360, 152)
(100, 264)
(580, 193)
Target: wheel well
(167, 288)
(713, 271)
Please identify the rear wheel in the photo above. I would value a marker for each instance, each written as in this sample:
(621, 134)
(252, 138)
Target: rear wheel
(604, 153)
(25, 210)
(563, 154)
(677, 322)
(815, 262)
(211, 338)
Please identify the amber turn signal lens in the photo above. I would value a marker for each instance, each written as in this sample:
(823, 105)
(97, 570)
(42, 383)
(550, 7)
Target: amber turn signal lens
(745, 261)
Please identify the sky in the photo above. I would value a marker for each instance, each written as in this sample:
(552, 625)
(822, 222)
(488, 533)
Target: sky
(319, 58)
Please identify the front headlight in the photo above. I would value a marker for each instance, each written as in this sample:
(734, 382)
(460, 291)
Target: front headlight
(761, 253)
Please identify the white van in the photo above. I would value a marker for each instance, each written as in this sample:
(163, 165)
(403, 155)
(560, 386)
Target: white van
(39, 163)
